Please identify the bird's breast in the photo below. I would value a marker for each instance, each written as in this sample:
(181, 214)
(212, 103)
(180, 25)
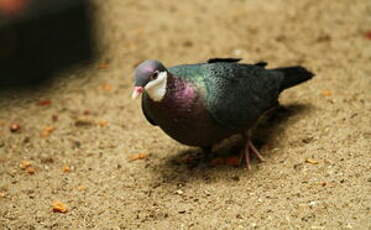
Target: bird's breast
(182, 115)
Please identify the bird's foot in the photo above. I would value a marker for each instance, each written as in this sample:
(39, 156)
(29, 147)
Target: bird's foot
(248, 150)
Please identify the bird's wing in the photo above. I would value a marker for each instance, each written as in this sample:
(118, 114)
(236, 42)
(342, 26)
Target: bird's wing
(215, 60)
(238, 94)
(146, 111)
(232, 60)
(262, 64)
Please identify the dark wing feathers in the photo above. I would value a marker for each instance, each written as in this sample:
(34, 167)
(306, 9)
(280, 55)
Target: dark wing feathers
(238, 94)
(216, 60)
(262, 64)
(233, 60)
(293, 75)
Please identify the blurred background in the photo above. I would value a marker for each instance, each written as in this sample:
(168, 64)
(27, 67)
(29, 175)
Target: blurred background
(69, 131)
(39, 38)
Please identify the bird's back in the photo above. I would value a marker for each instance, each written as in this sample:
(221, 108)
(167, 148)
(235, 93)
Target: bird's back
(235, 94)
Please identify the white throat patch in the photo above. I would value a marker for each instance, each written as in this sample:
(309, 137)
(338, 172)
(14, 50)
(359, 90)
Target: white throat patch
(156, 89)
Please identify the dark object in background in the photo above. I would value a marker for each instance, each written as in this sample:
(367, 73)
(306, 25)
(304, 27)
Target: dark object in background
(40, 37)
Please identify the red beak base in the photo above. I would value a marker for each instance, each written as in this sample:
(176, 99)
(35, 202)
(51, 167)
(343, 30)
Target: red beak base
(138, 90)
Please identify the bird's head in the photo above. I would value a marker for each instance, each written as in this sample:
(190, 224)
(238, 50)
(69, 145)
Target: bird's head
(150, 76)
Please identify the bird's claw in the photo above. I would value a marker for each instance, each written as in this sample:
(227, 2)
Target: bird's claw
(247, 151)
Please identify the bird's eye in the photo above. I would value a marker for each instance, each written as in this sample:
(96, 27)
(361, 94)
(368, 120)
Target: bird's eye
(154, 75)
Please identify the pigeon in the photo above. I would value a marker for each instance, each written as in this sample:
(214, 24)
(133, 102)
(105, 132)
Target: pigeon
(202, 104)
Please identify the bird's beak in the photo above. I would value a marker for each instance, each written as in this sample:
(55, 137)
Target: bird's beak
(138, 90)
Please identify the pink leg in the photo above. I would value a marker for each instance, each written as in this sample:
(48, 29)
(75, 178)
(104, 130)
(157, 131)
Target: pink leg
(250, 149)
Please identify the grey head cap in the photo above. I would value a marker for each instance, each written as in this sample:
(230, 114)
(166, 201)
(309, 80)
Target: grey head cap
(147, 71)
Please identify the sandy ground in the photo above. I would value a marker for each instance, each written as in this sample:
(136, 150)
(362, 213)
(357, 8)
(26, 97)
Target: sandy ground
(82, 158)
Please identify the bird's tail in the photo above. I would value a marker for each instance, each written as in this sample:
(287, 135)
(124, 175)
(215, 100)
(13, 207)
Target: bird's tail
(294, 75)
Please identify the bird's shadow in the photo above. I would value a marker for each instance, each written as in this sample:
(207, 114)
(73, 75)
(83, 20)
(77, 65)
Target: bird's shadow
(191, 164)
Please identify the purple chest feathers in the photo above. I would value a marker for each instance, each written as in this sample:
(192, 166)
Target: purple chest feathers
(182, 114)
